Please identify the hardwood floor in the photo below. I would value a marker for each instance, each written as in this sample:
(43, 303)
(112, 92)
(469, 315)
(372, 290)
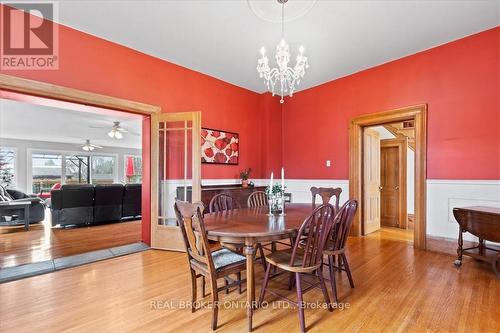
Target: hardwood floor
(398, 289)
(45, 243)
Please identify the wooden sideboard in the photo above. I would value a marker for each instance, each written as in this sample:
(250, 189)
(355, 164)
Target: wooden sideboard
(238, 192)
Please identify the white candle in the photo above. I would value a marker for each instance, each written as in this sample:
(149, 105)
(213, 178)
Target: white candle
(271, 184)
(283, 180)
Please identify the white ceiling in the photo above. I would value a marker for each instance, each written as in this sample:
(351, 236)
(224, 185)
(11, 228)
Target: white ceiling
(20, 120)
(222, 38)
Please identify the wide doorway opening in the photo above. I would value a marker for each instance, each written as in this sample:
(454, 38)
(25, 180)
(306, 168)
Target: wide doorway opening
(84, 171)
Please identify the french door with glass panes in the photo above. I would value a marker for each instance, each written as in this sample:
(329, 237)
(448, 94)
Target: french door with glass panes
(176, 151)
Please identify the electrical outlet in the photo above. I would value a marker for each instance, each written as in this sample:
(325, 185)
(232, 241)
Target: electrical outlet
(328, 163)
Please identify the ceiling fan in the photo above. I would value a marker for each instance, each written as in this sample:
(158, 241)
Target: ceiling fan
(116, 131)
(89, 146)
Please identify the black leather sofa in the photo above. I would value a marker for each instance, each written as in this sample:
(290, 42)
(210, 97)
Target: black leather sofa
(37, 206)
(89, 204)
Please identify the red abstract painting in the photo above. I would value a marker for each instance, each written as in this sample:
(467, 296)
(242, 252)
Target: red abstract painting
(219, 147)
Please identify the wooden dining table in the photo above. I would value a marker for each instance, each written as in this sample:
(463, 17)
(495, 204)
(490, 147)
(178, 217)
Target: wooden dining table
(250, 226)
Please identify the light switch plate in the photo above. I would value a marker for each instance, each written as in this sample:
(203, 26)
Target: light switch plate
(328, 163)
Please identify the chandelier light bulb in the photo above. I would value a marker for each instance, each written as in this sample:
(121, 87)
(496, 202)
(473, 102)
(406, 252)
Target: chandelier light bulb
(263, 50)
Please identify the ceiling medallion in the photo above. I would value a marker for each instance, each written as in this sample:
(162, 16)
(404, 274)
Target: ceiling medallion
(286, 77)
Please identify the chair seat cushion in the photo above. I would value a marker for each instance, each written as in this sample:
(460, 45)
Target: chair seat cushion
(282, 259)
(226, 257)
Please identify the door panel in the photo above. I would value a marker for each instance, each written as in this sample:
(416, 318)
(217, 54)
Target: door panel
(371, 183)
(390, 174)
(178, 156)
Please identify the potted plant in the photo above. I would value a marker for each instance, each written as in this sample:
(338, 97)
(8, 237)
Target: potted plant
(244, 177)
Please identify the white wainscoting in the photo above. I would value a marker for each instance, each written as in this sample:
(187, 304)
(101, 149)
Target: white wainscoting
(301, 188)
(442, 196)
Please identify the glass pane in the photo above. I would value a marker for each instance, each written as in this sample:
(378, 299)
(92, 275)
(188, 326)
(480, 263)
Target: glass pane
(173, 125)
(103, 169)
(175, 159)
(77, 169)
(46, 171)
(7, 167)
(133, 169)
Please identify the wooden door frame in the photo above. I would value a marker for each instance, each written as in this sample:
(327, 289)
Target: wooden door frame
(402, 145)
(172, 234)
(418, 113)
(60, 93)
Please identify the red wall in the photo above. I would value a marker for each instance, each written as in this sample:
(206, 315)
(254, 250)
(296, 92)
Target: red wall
(96, 65)
(460, 83)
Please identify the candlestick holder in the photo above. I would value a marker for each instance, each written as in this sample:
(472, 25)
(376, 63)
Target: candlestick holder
(282, 204)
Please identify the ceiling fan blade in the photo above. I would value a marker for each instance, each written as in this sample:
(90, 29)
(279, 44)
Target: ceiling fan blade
(121, 129)
(100, 127)
(95, 146)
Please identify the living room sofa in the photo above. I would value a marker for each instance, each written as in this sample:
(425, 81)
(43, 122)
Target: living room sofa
(88, 204)
(37, 206)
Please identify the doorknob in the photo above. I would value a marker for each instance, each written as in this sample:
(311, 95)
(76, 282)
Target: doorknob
(380, 187)
(396, 187)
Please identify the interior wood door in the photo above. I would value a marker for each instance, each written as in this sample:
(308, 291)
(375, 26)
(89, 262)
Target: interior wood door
(389, 181)
(176, 150)
(371, 183)
(393, 211)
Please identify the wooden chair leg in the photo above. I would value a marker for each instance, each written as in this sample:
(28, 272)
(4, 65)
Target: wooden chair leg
(226, 283)
(203, 283)
(264, 285)
(347, 270)
(332, 278)
(291, 281)
(194, 294)
(215, 305)
(323, 289)
(239, 282)
(262, 257)
(300, 303)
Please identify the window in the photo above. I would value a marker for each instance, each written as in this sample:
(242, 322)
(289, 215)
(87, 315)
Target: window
(46, 171)
(7, 167)
(103, 169)
(77, 169)
(133, 169)
(49, 168)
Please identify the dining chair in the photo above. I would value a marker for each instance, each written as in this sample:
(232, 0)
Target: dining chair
(336, 244)
(202, 261)
(304, 260)
(326, 193)
(260, 199)
(221, 201)
(257, 199)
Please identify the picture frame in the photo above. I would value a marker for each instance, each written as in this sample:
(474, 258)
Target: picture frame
(219, 147)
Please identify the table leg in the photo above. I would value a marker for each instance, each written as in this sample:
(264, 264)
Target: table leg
(249, 253)
(26, 217)
(458, 262)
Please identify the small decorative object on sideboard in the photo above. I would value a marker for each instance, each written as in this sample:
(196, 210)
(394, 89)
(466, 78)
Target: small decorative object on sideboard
(244, 176)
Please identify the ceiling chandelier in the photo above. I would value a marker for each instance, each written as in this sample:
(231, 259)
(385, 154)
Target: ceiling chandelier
(286, 77)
